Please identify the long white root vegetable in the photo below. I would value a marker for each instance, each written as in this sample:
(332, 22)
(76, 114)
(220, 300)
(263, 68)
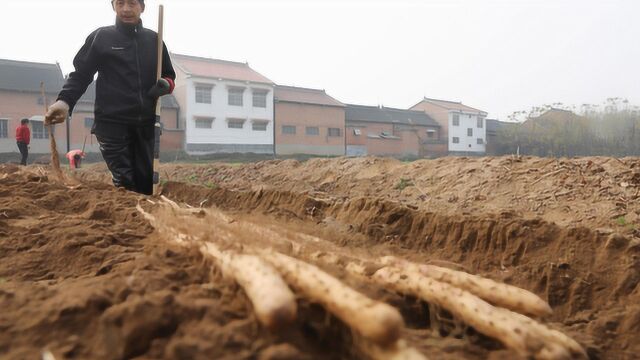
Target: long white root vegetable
(397, 351)
(551, 335)
(500, 294)
(526, 337)
(374, 320)
(273, 302)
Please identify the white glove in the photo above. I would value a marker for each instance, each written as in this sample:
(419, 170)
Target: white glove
(58, 113)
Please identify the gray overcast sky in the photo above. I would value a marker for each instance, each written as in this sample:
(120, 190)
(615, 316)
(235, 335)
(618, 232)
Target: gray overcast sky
(497, 55)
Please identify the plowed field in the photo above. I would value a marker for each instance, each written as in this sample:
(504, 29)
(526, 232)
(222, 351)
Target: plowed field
(92, 272)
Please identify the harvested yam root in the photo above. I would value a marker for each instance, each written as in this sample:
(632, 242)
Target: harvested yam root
(516, 331)
(397, 351)
(500, 294)
(273, 302)
(374, 320)
(258, 264)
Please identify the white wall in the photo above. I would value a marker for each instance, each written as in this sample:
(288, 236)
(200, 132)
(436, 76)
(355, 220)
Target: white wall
(467, 143)
(220, 110)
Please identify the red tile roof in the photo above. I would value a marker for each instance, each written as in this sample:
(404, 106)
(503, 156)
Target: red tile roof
(305, 96)
(214, 68)
(451, 105)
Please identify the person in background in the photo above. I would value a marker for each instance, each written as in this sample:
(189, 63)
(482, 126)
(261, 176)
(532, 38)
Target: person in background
(23, 139)
(75, 158)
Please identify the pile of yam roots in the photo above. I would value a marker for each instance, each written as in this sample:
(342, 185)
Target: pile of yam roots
(275, 269)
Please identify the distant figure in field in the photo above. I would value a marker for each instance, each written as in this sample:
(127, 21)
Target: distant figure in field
(75, 158)
(23, 138)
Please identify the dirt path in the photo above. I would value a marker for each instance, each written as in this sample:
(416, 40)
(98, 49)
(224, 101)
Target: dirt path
(83, 275)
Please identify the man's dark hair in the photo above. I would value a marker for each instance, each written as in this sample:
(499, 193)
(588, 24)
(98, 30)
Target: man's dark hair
(140, 1)
(24, 121)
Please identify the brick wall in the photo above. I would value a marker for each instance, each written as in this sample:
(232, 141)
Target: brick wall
(409, 142)
(17, 105)
(437, 113)
(303, 115)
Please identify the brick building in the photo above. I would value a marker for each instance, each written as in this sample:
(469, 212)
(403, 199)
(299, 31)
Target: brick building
(308, 121)
(383, 131)
(20, 98)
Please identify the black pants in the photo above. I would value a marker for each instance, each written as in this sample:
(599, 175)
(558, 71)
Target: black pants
(77, 159)
(128, 152)
(24, 151)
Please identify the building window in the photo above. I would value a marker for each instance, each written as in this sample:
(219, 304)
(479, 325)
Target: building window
(480, 141)
(259, 125)
(204, 123)
(357, 132)
(312, 130)
(456, 140)
(260, 98)
(456, 120)
(203, 94)
(470, 132)
(288, 129)
(4, 128)
(480, 123)
(431, 134)
(88, 122)
(235, 123)
(236, 96)
(39, 130)
(337, 132)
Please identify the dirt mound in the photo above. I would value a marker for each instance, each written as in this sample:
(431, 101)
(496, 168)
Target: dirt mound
(595, 192)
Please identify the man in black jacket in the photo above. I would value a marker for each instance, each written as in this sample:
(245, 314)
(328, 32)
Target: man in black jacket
(127, 89)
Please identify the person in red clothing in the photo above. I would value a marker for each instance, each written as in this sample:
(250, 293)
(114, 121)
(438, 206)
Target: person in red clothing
(23, 138)
(75, 158)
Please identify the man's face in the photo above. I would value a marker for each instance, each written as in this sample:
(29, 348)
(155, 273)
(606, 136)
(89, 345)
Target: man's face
(128, 11)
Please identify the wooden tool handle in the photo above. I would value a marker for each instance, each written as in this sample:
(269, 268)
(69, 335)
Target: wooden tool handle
(160, 49)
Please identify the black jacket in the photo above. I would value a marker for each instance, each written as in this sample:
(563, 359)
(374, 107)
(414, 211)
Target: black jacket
(125, 58)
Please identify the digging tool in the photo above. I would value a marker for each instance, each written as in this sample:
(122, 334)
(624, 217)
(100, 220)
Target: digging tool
(158, 124)
(84, 144)
(55, 158)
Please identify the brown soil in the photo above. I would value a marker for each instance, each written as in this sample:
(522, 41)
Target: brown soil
(595, 192)
(84, 276)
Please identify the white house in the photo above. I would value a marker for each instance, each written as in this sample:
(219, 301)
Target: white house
(226, 107)
(464, 127)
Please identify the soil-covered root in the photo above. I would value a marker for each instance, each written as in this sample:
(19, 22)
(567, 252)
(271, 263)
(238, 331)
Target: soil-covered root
(374, 320)
(377, 326)
(515, 331)
(273, 302)
(499, 294)
(397, 351)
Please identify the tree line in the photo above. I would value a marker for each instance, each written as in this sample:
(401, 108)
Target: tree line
(556, 130)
